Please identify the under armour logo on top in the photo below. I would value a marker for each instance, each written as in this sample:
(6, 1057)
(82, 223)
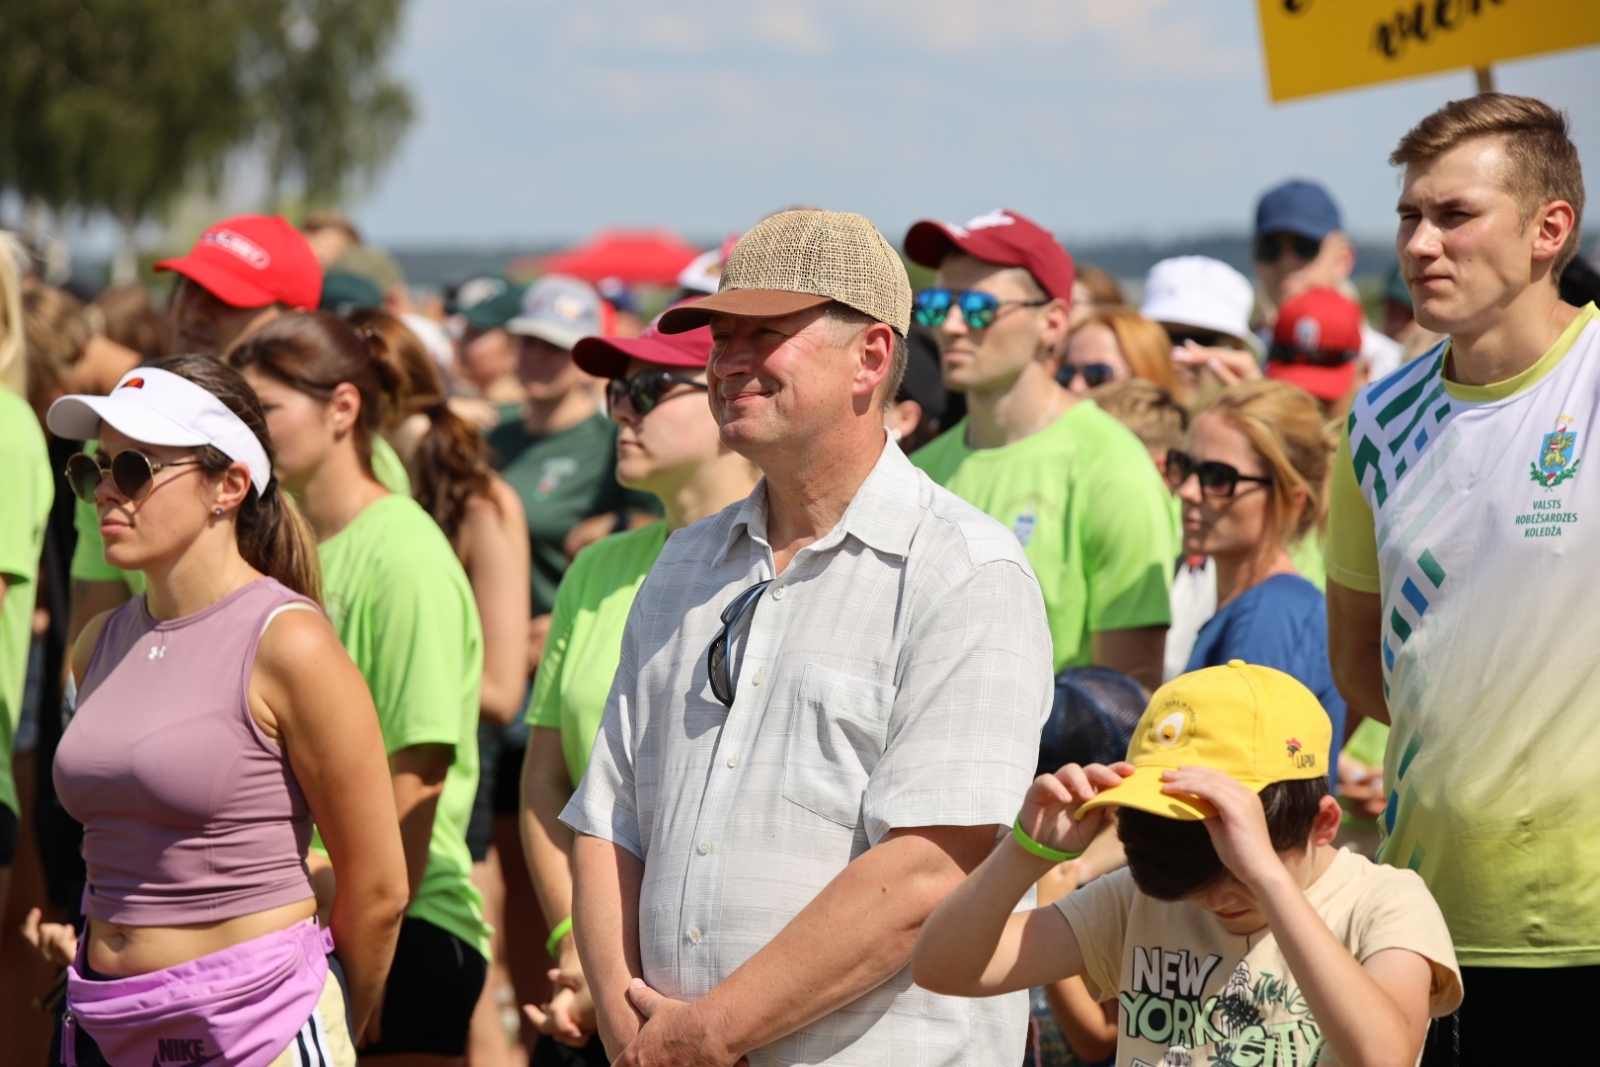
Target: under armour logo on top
(158, 652)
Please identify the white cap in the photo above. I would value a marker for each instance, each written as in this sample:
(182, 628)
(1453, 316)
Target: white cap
(156, 407)
(1201, 292)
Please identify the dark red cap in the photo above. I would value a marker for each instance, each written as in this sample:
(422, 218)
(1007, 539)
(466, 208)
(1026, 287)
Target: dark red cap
(607, 357)
(1002, 237)
(251, 261)
(1316, 342)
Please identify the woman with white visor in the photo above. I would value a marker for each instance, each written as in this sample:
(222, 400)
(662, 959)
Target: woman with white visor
(214, 724)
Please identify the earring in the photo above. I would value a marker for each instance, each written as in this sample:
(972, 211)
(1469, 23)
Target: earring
(216, 511)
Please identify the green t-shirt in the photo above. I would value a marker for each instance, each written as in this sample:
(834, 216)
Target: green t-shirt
(585, 642)
(404, 611)
(26, 493)
(88, 557)
(562, 478)
(1091, 512)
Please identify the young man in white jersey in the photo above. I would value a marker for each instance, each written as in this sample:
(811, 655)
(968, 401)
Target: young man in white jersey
(1075, 486)
(1461, 550)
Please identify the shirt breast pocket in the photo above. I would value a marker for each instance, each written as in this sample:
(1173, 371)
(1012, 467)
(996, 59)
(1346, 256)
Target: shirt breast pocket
(837, 731)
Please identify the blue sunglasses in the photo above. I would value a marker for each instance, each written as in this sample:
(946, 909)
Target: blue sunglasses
(931, 307)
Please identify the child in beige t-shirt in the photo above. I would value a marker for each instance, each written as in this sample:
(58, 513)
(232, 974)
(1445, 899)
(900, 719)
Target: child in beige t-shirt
(1237, 934)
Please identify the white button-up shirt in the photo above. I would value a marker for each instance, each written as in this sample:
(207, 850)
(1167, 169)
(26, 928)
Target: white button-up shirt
(897, 674)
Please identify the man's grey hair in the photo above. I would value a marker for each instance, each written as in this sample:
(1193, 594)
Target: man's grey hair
(849, 323)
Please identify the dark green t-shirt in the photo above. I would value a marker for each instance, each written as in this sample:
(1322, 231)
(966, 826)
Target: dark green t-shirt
(562, 478)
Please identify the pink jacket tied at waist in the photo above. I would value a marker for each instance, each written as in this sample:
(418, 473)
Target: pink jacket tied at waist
(236, 1008)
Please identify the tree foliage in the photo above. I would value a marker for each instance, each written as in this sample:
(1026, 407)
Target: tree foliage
(328, 112)
(117, 106)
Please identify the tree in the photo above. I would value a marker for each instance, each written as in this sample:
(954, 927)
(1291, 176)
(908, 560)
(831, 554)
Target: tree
(329, 114)
(118, 106)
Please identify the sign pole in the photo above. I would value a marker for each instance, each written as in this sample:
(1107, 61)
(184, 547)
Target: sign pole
(1485, 79)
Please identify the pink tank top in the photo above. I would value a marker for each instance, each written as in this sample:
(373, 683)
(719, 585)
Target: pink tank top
(190, 813)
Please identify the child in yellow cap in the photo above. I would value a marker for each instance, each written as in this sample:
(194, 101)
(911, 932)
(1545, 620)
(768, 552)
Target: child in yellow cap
(1237, 934)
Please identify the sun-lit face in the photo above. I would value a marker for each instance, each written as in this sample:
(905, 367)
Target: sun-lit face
(487, 355)
(301, 427)
(1224, 526)
(1289, 274)
(168, 517)
(547, 371)
(662, 449)
(202, 325)
(1464, 250)
(781, 380)
(991, 359)
(1094, 345)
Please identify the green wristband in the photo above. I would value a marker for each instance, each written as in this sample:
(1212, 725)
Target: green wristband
(553, 946)
(1044, 852)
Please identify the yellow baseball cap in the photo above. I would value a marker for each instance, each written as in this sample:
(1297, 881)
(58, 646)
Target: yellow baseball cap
(1253, 723)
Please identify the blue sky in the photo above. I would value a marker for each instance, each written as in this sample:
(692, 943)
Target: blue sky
(545, 119)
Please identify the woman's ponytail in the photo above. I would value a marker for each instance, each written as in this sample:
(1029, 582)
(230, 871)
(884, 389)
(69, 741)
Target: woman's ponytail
(449, 463)
(274, 537)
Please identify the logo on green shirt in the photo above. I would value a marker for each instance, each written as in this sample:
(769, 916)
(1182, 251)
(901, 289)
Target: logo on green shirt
(552, 473)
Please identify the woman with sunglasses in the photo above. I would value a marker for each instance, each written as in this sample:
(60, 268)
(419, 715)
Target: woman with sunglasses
(1253, 482)
(1116, 344)
(404, 609)
(667, 444)
(217, 718)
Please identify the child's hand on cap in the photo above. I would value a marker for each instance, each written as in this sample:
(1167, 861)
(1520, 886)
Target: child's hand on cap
(1238, 829)
(1049, 809)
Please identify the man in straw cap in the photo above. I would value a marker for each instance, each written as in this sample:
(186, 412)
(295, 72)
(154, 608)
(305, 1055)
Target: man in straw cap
(829, 696)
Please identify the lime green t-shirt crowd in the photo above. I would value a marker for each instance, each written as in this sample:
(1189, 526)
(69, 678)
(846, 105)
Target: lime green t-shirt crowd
(26, 492)
(404, 610)
(1091, 511)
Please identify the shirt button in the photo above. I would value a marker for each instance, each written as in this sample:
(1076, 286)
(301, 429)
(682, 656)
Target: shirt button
(760, 677)
(694, 934)
(733, 761)
(777, 594)
(705, 848)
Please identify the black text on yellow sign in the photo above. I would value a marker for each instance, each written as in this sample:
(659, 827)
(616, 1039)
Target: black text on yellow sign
(1319, 46)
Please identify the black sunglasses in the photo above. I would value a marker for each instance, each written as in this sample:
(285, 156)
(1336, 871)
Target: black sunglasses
(646, 389)
(1270, 247)
(132, 472)
(1216, 479)
(1203, 338)
(718, 666)
(931, 307)
(1094, 375)
(1320, 357)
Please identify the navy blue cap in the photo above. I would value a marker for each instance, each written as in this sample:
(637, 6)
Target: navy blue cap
(1298, 207)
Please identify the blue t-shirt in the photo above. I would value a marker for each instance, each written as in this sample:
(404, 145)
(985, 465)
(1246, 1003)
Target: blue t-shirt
(1281, 623)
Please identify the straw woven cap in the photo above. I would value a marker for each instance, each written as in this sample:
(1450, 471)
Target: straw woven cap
(802, 259)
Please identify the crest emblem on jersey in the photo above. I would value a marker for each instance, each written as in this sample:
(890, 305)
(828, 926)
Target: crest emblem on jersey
(1556, 463)
(1022, 526)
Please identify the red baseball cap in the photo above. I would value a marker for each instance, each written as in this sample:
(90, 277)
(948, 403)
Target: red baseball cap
(1316, 342)
(607, 357)
(1003, 237)
(251, 261)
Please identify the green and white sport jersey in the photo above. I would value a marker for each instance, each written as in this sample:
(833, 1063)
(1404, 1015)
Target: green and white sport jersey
(1472, 512)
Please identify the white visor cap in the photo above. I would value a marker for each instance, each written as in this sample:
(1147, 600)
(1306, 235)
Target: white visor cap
(156, 407)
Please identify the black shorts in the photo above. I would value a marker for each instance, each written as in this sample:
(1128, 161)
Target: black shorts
(480, 825)
(8, 835)
(1516, 1015)
(432, 990)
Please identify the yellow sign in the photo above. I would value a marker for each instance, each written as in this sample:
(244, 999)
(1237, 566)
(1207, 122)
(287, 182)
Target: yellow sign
(1317, 46)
